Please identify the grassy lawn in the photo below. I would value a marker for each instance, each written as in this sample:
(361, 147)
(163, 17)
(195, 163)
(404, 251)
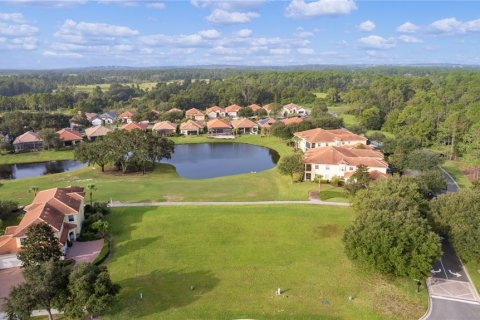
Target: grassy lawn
(235, 257)
(453, 168)
(321, 95)
(341, 110)
(29, 157)
(165, 185)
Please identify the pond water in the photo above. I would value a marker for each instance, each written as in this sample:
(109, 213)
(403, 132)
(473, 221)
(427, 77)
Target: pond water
(27, 170)
(209, 160)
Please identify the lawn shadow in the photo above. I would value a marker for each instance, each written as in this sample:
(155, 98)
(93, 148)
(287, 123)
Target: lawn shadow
(156, 292)
(127, 247)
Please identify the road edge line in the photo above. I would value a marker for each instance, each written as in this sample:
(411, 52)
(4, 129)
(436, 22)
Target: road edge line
(429, 308)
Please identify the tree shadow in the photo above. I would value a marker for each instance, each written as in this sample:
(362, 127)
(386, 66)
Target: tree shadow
(127, 248)
(156, 292)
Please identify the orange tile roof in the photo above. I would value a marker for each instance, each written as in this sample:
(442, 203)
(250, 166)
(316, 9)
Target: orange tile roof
(254, 107)
(126, 115)
(27, 137)
(66, 228)
(215, 109)
(164, 125)
(291, 120)
(8, 244)
(322, 135)
(218, 124)
(69, 135)
(194, 112)
(340, 155)
(244, 123)
(174, 110)
(233, 108)
(50, 207)
(135, 126)
(97, 131)
(190, 125)
(267, 107)
(291, 106)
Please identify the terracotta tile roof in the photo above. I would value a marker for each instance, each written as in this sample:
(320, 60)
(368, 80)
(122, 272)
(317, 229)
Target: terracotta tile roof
(194, 112)
(267, 107)
(97, 131)
(233, 108)
(135, 126)
(291, 120)
(291, 106)
(69, 135)
(90, 115)
(126, 115)
(50, 207)
(190, 125)
(339, 155)
(254, 107)
(174, 110)
(66, 228)
(27, 137)
(244, 123)
(322, 135)
(164, 125)
(215, 109)
(218, 124)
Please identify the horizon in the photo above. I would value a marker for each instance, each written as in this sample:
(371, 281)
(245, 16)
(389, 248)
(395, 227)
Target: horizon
(71, 34)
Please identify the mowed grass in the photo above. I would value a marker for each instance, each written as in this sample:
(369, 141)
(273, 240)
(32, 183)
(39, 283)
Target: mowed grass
(225, 262)
(29, 157)
(341, 110)
(454, 169)
(165, 185)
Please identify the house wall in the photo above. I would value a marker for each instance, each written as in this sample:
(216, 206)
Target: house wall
(97, 122)
(9, 261)
(189, 132)
(233, 114)
(28, 146)
(304, 145)
(328, 171)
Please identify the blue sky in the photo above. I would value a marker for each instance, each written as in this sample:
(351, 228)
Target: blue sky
(79, 33)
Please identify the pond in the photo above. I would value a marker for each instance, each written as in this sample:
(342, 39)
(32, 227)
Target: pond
(209, 160)
(27, 170)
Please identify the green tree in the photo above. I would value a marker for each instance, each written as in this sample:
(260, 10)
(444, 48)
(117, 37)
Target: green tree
(34, 190)
(50, 138)
(101, 226)
(20, 303)
(400, 243)
(370, 118)
(91, 187)
(90, 291)
(39, 245)
(359, 179)
(292, 165)
(245, 113)
(423, 160)
(98, 152)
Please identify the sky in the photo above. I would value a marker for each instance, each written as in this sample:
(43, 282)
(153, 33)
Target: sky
(43, 34)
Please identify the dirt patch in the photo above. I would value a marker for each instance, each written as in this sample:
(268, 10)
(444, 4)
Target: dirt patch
(470, 173)
(327, 231)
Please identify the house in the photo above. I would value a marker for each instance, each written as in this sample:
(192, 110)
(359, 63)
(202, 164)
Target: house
(96, 121)
(327, 162)
(266, 124)
(165, 128)
(191, 128)
(29, 141)
(268, 108)
(293, 109)
(90, 116)
(215, 112)
(107, 117)
(60, 208)
(294, 120)
(219, 127)
(244, 126)
(318, 137)
(194, 114)
(96, 132)
(126, 117)
(69, 137)
(254, 107)
(232, 110)
(135, 126)
(81, 119)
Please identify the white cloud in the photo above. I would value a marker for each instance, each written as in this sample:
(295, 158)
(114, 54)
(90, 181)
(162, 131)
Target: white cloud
(55, 54)
(220, 16)
(407, 27)
(87, 32)
(409, 39)
(301, 33)
(182, 40)
(447, 25)
(376, 42)
(280, 51)
(17, 30)
(12, 17)
(367, 26)
(306, 51)
(156, 5)
(302, 9)
(210, 34)
(235, 5)
(48, 3)
(16, 33)
(244, 33)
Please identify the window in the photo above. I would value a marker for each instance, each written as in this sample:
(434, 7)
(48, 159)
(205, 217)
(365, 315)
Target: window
(22, 241)
(317, 166)
(350, 168)
(326, 144)
(71, 218)
(308, 167)
(308, 176)
(327, 168)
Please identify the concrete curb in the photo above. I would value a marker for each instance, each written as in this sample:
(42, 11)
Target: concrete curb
(429, 308)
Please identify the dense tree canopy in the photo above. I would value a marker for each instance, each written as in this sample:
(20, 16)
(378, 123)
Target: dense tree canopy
(39, 245)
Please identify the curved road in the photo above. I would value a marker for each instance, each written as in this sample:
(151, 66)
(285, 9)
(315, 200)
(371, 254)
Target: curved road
(450, 277)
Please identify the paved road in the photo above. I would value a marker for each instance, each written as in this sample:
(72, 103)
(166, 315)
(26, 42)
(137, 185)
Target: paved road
(452, 278)
(115, 204)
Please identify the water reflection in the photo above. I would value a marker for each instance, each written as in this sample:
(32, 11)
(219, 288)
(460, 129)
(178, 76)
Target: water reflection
(27, 170)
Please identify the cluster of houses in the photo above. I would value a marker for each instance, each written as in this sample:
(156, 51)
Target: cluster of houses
(60, 208)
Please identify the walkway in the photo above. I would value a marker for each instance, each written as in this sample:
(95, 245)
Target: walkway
(117, 204)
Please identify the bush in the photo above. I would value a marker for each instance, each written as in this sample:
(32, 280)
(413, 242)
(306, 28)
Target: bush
(104, 253)
(87, 235)
(7, 207)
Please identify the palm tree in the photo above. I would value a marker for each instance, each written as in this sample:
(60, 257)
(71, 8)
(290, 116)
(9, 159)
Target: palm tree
(91, 188)
(34, 190)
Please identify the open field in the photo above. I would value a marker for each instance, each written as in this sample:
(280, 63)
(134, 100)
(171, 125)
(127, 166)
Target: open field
(88, 88)
(454, 169)
(341, 110)
(236, 257)
(321, 95)
(165, 185)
